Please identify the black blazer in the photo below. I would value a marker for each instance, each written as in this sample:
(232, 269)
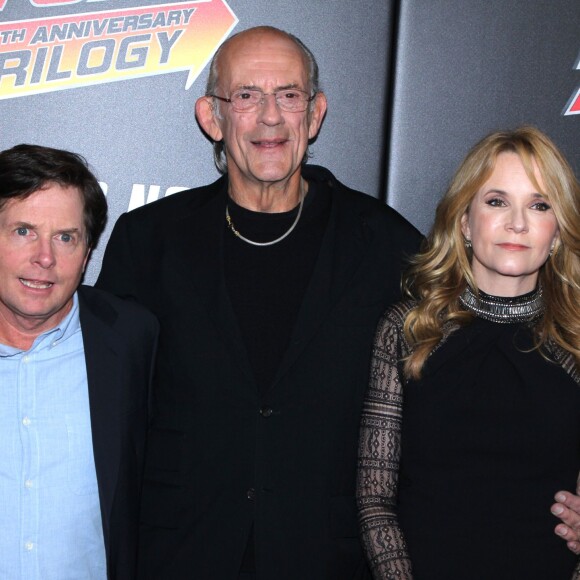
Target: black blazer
(119, 341)
(221, 458)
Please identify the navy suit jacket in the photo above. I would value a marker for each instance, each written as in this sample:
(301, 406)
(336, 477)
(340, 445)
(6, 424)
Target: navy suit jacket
(119, 340)
(222, 457)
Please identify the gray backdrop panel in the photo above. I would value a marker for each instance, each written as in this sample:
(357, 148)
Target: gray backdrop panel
(465, 68)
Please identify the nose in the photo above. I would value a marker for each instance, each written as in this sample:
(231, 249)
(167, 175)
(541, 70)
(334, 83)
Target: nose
(44, 254)
(518, 221)
(269, 112)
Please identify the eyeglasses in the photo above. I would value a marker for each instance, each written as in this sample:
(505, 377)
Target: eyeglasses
(248, 100)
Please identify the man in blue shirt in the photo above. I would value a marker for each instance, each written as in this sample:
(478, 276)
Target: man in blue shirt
(75, 366)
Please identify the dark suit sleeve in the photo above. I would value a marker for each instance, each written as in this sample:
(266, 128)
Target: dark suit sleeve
(120, 339)
(397, 241)
(121, 270)
(403, 234)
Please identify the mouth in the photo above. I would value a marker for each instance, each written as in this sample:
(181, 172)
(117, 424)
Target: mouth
(269, 144)
(36, 284)
(513, 247)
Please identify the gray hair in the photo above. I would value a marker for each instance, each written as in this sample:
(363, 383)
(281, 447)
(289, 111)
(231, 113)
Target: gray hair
(213, 80)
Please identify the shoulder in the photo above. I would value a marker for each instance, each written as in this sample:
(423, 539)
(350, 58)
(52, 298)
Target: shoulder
(387, 225)
(114, 310)
(176, 205)
(564, 358)
(390, 333)
(396, 314)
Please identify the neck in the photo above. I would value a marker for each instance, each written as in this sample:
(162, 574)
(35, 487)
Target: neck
(21, 333)
(507, 286)
(11, 336)
(276, 197)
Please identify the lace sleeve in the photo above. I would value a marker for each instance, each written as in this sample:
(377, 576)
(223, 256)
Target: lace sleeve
(379, 453)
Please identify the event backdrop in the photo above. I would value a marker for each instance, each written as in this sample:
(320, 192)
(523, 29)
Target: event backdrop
(411, 84)
(464, 68)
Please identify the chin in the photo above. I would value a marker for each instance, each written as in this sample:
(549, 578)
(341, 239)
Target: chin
(519, 272)
(273, 171)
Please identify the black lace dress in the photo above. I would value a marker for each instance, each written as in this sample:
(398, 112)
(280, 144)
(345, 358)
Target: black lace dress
(457, 471)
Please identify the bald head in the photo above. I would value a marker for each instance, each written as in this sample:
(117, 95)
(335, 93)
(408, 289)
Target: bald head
(254, 37)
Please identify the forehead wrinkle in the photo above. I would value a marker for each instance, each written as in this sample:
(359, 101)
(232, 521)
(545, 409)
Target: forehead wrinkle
(276, 89)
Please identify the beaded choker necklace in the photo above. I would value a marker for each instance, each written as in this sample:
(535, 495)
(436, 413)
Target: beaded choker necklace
(504, 309)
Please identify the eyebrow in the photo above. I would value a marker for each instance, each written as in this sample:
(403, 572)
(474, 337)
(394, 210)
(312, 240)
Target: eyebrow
(20, 224)
(23, 225)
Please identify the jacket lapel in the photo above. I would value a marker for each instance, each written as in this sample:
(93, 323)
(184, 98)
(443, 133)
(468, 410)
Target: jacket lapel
(103, 372)
(196, 264)
(342, 251)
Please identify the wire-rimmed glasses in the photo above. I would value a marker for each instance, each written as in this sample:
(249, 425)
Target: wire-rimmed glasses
(248, 100)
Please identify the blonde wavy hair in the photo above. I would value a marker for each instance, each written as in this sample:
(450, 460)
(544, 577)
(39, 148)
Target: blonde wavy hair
(440, 272)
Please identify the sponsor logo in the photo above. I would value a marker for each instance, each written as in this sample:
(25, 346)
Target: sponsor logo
(52, 54)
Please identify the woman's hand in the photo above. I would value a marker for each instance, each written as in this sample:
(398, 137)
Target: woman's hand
(567, 509)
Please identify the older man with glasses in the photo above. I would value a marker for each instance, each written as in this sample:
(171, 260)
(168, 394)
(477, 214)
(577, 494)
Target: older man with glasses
(268, 285)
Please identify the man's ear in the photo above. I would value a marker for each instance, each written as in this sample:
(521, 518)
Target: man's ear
(206, 117)
(317, 115)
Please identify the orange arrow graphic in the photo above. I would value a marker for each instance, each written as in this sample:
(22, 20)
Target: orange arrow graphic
(51, 54)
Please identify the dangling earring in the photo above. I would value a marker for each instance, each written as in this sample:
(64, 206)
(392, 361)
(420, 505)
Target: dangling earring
(552, 250)
(467, 242)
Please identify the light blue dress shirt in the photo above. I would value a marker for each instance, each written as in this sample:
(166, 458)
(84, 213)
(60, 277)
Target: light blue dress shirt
(50, 519)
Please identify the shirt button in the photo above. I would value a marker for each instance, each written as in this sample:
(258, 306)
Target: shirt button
(29, 546)
(25, 358)
(251, 494)
(26, 421)
(266, 411)
(28, 484)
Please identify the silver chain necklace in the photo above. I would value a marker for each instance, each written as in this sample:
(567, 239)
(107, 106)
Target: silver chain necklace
(231, 223)
(504, 309)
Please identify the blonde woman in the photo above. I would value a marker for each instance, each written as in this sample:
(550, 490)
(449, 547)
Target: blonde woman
(472, 417)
